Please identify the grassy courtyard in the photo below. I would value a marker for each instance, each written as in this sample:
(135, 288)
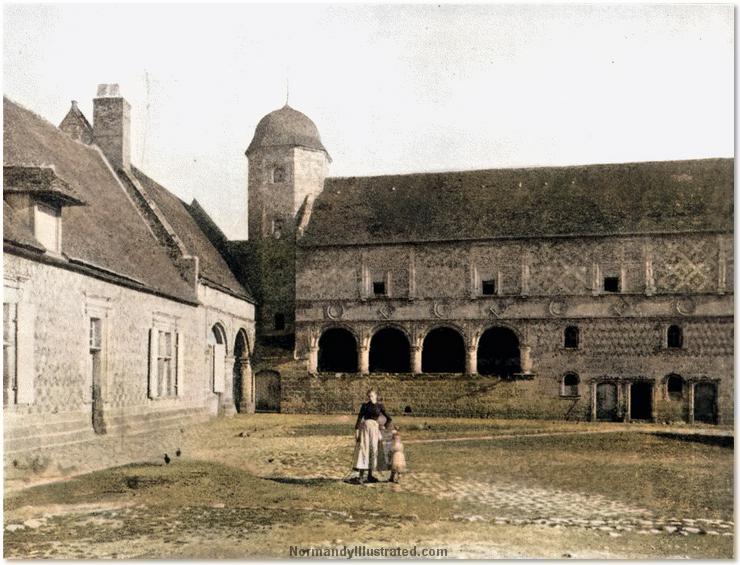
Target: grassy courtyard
(253, 486)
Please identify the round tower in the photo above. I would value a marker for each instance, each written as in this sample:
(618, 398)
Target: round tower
(287, 165)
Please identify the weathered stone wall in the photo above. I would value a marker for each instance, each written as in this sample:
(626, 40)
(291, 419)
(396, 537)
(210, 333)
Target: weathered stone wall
(542, 286)
(53, 433)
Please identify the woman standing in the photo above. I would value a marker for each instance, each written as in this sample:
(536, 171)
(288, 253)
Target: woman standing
(367, 436)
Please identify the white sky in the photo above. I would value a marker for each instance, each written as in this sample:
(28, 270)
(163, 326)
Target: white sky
(391, 88)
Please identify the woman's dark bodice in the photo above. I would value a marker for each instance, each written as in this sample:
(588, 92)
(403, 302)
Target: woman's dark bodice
(370, 411)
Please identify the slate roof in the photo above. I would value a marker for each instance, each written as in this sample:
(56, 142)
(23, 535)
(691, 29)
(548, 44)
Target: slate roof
(212, 265)
(650, 197)
(107, 234)
(286, 127)
(41, 181)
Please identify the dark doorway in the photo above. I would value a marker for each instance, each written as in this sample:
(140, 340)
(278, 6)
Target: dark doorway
(337, 351)
(641, 401)
(498, 353)
(267, 391)
(241, 361)
(389, 352)
(444, 352)
(606, 402)
(705, 403)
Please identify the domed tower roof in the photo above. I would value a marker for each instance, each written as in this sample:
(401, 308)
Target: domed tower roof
(286, 127)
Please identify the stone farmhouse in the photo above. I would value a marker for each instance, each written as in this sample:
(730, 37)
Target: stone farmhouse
(600, 292)
(122, 320)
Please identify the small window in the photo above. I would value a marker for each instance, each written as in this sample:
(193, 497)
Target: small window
(570, 385)
(674, 387)
(277, 228)
(96, 338)
(279, 321)
(675, 337)
(379, 288)
(488, 287)
(571, 337)
(611, 284)
(279, 174)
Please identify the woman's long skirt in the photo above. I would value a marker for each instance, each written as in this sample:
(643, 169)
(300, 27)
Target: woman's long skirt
(366, 450)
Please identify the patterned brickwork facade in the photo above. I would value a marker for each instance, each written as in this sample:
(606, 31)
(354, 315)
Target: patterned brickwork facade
(540, 288)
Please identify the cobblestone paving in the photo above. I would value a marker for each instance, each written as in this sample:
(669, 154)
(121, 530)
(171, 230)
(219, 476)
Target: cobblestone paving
(506, 503)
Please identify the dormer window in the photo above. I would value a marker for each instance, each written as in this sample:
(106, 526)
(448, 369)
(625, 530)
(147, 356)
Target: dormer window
(38, 195)
(47, 226)
(279, 174)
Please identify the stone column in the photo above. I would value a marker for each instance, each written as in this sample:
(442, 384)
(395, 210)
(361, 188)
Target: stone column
(593, 401)
(246, 406)
(229, 409)
(471, 360)
(313, 359)
(416, 351)
(627, 402)
(526, 359)
(691, 392)
(363, 361)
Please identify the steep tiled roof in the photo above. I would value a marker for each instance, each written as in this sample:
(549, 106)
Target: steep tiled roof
(107, 233)
(212, 265)
(646, 197)
(41, 181)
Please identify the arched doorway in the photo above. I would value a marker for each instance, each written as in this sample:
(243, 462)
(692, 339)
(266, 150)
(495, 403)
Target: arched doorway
(498, 353)
(443, 352)
(390, 352)
(337, 351)
(242, 388)
(705, 403)
(217, 351)
(267, 391)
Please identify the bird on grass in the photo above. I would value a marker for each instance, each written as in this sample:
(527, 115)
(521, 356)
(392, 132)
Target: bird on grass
(167, 459)
(178, 452)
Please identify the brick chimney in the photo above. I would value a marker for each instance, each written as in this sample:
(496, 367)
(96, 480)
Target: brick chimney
(112, 125)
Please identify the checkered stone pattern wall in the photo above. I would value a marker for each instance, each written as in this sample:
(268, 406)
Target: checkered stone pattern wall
(686, 265)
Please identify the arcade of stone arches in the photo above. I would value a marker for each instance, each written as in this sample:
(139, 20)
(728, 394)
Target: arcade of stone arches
(441, 349)
(240, 395)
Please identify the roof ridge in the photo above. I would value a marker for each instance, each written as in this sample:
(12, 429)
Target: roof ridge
(528, 168)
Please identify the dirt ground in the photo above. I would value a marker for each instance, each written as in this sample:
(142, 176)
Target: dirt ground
(271, 485)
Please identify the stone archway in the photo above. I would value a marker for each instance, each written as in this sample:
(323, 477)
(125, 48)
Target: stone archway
(243, 385)
(443, 351)
(337, 351)
(390, 351)
(499, 353)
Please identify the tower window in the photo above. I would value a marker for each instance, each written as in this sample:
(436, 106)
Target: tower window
(279, 321)
(611, 284)
(277, 228)
(675, 337)
(570, 385)
(279, 174)
(571, 337)
(674, 387)
(488, 287)
(379, 288)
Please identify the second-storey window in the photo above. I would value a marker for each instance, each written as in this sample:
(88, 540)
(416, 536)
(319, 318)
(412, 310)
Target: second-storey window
(674, 338)
(571, 337)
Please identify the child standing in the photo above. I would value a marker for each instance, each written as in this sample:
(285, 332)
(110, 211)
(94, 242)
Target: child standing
(398, 459)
